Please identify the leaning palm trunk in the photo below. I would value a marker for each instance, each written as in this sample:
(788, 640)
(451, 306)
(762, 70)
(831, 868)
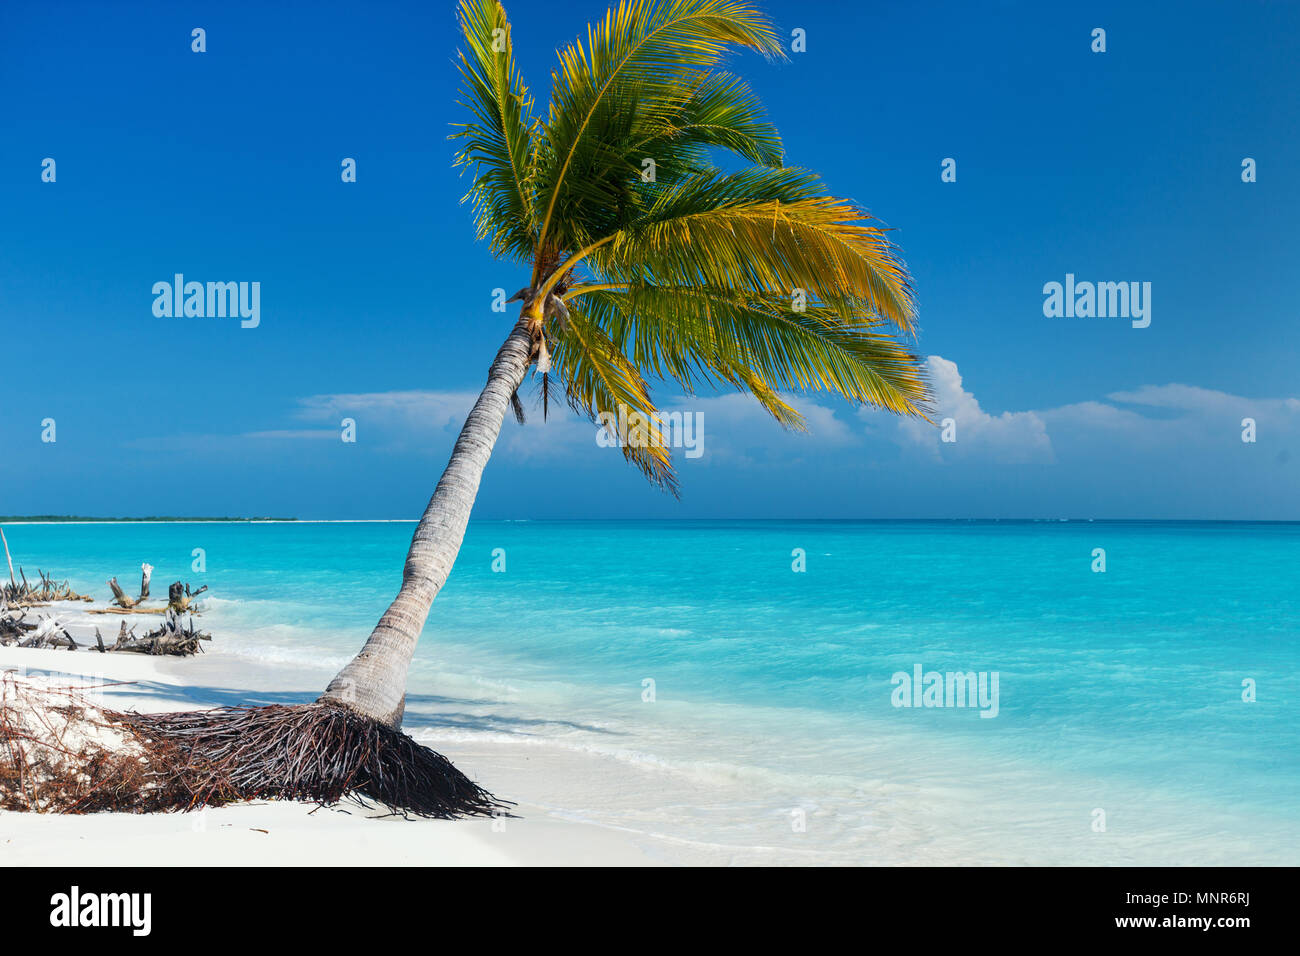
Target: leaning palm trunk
(373, 684)
(349, 742)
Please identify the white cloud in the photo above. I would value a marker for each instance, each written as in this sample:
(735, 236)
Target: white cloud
(1011, 437)
(1194, 401)
(1176, 419)
(288, 434)
(1096, 415)
(1145, 420)
(421, 410)
(1161, 419)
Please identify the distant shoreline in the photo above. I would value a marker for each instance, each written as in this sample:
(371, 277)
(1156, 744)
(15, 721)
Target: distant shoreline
(79, 519)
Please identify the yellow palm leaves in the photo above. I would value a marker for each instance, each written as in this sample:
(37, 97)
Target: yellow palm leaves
(757, 278)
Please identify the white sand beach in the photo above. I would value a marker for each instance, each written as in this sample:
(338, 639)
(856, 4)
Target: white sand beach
(287, 833)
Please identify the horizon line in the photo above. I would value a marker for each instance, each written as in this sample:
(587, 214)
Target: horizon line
(90, 520)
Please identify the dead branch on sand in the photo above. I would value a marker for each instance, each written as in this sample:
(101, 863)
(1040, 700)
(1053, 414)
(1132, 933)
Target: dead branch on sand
(47, 631)
(171, 637)
(26, 594)
(119, 596)
(13, 624)
(180, 598)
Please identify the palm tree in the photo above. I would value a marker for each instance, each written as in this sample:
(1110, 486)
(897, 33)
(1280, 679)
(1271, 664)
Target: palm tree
(756, 278)
(646, 258)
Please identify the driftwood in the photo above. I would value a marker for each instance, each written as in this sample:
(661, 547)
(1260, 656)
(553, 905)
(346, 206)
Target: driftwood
(180, 598)
(171, 637)
(8, 559)
(26, 594)
(119, 596)
(49, 632)
(13, 625)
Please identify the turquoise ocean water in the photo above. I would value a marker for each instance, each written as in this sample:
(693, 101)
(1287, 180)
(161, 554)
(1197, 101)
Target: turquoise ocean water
(772, 723)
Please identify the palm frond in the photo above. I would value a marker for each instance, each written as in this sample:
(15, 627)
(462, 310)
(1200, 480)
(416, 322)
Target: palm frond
(721, 112)
(600, 382)
(499, 144)
(642, 64)
(769, 232)
(688, 332)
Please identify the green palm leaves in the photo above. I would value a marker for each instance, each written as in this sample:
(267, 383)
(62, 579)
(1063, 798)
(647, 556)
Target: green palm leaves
(646, 258)
(499, 142)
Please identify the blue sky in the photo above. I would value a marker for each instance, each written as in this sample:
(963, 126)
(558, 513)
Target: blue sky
(1115, 166)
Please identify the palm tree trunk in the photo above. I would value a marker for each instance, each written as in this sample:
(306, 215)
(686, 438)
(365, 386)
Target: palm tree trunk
(374, 682)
